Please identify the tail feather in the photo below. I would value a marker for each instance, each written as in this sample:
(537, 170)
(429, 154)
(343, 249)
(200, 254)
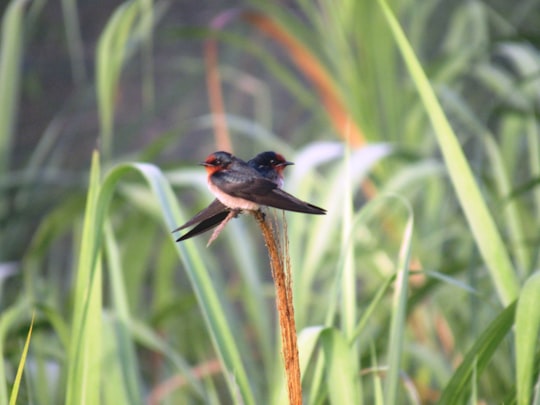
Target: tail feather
(215, 208)
(205, 225)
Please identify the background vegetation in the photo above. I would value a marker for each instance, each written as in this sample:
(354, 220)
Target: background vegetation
(414, 123)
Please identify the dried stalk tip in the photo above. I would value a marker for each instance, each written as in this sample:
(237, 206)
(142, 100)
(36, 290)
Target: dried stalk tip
(284, 303)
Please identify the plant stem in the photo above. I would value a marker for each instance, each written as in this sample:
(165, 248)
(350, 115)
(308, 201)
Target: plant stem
(284, 302)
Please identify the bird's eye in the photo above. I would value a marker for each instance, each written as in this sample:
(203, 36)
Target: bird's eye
(216, 162)
(273, 162)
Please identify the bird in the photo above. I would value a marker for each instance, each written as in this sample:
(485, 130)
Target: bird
(241, 186)
(269, 164)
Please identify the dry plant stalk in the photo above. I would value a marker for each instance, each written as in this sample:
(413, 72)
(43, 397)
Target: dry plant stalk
(284, 301)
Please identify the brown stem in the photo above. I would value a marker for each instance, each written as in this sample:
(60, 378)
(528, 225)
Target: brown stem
(284, 302)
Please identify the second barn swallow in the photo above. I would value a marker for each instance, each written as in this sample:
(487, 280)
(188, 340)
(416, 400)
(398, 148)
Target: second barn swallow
(269, 164)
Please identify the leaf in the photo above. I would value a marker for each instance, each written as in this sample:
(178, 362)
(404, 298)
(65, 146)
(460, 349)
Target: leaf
(399, 314)
(341, 379)
(478, 357)
(84, 352)
(527, 333)
(18, 377)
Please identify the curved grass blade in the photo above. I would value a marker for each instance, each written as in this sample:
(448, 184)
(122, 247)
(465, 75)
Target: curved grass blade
(478, 357)
(212, 305)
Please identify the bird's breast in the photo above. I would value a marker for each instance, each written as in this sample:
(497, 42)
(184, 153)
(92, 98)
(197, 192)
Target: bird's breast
(231, 201)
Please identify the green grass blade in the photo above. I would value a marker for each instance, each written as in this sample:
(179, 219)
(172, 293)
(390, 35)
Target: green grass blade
(373, 303)
(212, 305)
(307, 341)
(534, 162)
(473, 399)
(501, 162)
(511, 209)
(111, 53)
(526, 342)
(74, 40)
(348, 280)
(18, 377)
(483, 227)
(378, 389)
(340, 367)
(478, 357)
(84, 365)
(117, 390)
(10, 72)
(399, 315)
(122, 354)
(377, 383)
(8, 319)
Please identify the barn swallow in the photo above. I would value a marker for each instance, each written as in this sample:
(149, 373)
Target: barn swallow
(268, 164)
(240, 187)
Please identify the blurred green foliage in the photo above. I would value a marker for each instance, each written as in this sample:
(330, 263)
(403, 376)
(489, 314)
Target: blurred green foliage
(419, 286)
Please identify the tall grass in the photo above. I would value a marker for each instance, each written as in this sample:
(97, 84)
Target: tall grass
(11, 49)
(439, 309)
(10, 73)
